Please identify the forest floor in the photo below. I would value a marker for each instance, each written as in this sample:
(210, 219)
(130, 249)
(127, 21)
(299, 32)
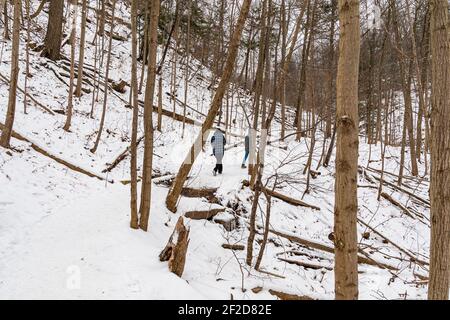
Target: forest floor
(64, 234)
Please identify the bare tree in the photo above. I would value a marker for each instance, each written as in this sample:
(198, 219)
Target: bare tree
(81, 53)
(438, 286)
(134, 223)
(146, 189)
(53, 38)
(73, 36)
(105, 89)
(7, 130)
(346, 198)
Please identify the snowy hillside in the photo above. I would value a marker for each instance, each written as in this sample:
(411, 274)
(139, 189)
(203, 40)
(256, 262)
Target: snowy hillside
(65, 233)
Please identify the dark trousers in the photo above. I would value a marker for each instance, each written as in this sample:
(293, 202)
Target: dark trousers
(218, 168)
(245, 157)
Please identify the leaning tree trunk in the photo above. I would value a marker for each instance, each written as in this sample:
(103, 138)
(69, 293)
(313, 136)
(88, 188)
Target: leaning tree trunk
(7, 131)
(148, 118)
(346, 201)
(53, 37)
(438, 286)
(185, 168)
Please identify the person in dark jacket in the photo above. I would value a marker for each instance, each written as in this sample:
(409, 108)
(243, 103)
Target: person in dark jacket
(247, 150)
(218, 142)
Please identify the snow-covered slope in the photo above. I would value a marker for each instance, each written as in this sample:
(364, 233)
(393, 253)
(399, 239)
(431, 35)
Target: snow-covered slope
(66, 235)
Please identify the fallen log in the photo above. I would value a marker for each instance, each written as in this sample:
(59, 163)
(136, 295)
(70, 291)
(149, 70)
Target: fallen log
(257, 289)
(121, 157)
(53, 157)
(238, 247)
(175, 252)
(170, 114)
(413, 259)
(288, 296)
(271, 273)
(155, 175)
(322, 247)
(396, 175)
(208, 193)
(116, 36)
(60, 76)
(283, 197)
(309, 256)
(40, 105)
(397, 204)
(289, 200)
(305, 265)
(198, 193)
(207, 214)
(395, 187)
(171, 95)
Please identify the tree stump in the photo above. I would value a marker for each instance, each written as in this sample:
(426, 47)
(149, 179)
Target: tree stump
(176, 248)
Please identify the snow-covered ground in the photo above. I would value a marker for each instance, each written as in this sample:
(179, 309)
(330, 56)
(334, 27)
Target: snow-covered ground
(66, 235)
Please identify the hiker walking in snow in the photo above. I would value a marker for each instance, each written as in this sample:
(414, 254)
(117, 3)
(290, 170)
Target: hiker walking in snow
(247, 150)
(218, 142)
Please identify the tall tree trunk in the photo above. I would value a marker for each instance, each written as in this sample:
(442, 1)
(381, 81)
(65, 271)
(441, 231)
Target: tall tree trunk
(146, 189)
(284, 27)
(27, 57)
(187, 65)
(185, 168)
(160, 103)
(302, 81)
(406, 65)
(105, 97)
(257, 88)
(6, 19)
(438, 286)
(81, 53)
(7, 131)
(53, 37)
(73, 40)
(134, 223)
(331, 65)
(346, 198)
(144, 48)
